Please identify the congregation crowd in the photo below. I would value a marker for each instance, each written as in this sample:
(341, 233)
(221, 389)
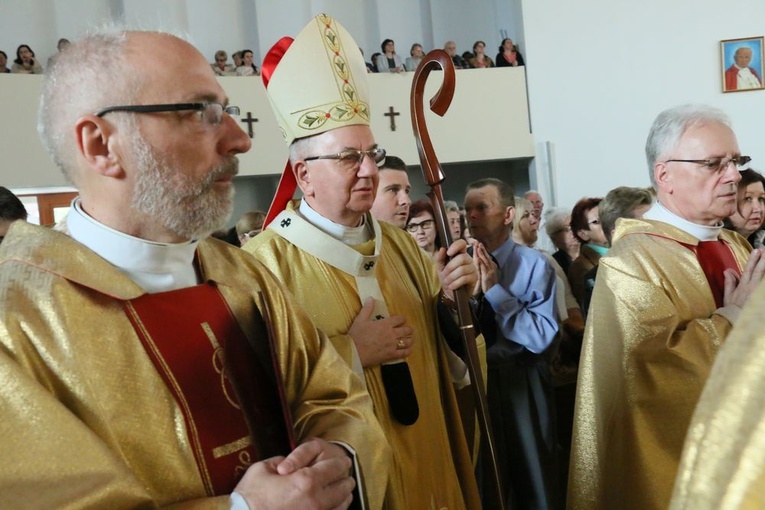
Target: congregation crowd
(386, 61)
(389, 61)
(314, 359)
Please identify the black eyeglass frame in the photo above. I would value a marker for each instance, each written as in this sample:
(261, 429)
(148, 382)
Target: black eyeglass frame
(171, 107)
(359, 153)
(739, 161)
(414, 227)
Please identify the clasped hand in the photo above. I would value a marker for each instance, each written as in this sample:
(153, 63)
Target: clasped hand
(315, 475)
(488, 271)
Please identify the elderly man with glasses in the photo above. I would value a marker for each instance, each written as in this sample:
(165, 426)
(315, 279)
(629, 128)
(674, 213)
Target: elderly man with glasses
(146, 364)
(365, 283)
(667, 294)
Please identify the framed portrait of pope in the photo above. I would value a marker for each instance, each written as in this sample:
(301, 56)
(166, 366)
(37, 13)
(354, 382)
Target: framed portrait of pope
(742, 64)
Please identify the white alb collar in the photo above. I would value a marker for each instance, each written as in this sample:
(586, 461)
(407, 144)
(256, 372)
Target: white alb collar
(348, 235)
(658, 212)
(156, 267)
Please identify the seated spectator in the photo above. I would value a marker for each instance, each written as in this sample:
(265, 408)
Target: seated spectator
(221, 67)
(455, 219)
(388, 61)
(421, 225)
(4, 63)
(237, 58)
(621, 202)
(11, 209)
(25, 62)
(585, 223)
(508, 55)
(374, 60)
(370, 65)
(451, 48)
(249, 225)
(558, 227)
(248, 68)
(414, 60)
(747, 220)
(480, 59)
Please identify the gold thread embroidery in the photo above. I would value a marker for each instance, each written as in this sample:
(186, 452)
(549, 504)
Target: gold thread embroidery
(244, 462)
(218, 363)
(226, 449)
(349, 106)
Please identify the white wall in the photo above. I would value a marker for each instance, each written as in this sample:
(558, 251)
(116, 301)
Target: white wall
(599, 73)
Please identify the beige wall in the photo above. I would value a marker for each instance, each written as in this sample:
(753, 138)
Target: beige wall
(488, 120)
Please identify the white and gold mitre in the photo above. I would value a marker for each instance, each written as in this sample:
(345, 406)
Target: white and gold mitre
(316, 82)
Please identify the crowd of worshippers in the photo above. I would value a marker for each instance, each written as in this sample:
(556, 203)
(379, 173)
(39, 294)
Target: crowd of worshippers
(387, 60)
(317, 362)
(26, 62)
(243, 61)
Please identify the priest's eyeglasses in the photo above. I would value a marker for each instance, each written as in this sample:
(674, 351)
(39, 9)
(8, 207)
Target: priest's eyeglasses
(350, 158)
(717, 164)
(211, 113)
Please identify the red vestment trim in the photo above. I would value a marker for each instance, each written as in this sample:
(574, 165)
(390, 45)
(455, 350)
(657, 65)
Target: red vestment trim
(189, 334)
(273, 57)
(287, 184)
(284, 192)
(715, 257)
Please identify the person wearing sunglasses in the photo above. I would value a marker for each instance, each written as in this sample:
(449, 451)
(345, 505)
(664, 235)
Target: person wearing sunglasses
(666, 296)
(221, 67)
(365, 283)
(136, 348)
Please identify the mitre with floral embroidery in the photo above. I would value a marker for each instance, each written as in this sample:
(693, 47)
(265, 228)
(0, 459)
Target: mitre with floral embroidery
(315, 83)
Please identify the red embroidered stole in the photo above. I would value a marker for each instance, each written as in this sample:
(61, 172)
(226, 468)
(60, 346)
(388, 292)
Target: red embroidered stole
(715, 257)
(209, 365)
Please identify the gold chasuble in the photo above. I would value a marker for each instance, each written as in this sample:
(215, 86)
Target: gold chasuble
(95, 408)
(723, 463)
(651, 338)
(432, 467)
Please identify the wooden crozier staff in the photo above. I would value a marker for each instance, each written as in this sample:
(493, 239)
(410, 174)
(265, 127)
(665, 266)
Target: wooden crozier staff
(434, 176)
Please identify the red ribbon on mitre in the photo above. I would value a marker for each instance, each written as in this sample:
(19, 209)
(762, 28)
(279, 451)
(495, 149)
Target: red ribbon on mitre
(287, 184)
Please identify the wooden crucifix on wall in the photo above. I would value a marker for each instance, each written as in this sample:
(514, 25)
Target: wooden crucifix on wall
(249, 120)
(392, 113)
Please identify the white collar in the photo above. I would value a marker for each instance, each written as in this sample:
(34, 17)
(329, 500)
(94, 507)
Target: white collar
(156, 267)
(658, 212)
(348, 235)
